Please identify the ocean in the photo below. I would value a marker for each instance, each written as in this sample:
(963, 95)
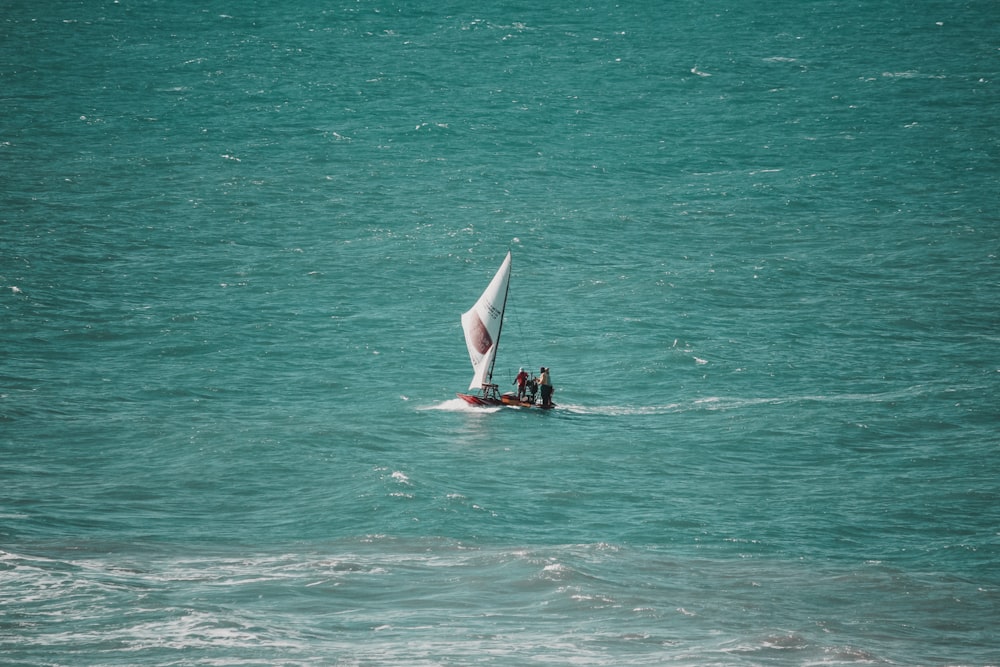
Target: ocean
(756, 245)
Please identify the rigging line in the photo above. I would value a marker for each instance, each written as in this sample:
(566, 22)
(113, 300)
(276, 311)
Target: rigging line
(519, 346)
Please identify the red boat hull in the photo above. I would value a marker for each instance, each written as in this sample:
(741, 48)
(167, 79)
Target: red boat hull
(507, 399)
(479, 401)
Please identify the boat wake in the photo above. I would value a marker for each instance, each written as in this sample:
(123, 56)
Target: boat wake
(620, 410)
(703, 404)
(723, 404)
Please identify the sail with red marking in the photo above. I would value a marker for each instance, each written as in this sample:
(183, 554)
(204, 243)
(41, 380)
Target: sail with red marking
(482, 324)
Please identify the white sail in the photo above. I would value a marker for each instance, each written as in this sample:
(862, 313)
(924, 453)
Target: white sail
(482, 324)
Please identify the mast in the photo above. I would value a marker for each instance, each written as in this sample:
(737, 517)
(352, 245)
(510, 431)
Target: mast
(503, 309)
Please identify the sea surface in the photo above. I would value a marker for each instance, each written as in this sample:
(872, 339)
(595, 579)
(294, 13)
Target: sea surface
(758, 244)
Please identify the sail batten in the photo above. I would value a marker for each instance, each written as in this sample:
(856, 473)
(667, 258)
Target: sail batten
(482, 325)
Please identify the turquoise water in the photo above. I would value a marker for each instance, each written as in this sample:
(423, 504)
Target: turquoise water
(758, 247)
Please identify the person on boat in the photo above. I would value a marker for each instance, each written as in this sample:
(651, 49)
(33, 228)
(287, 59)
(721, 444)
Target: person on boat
(532, 390)
(545, 382)
(521, 381)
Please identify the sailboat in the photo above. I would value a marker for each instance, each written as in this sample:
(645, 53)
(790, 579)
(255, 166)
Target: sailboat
(482, 325)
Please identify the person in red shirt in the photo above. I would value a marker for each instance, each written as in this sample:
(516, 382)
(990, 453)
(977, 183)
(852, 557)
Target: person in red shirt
(521, 381)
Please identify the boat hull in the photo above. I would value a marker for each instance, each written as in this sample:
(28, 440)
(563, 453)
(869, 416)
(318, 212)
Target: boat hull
(508, 399)
(480, 401)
